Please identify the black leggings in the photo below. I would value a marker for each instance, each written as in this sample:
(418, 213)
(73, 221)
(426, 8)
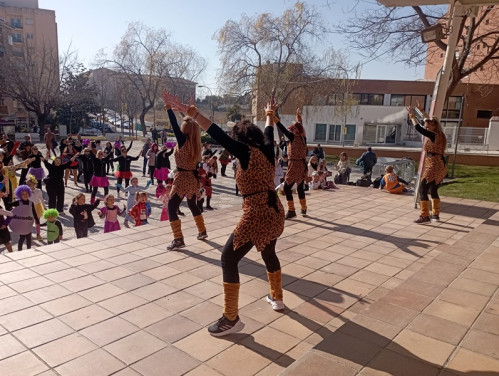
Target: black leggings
(22, 238)
(151, 173)
(300, 189)
(119, 181)
(425, 187)
(231, 258)
(174, 204)
(94, 191)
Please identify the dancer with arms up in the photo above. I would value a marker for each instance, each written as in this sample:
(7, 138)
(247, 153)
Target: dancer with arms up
(297, 164)
(262, 221)
(434, 165)
(187, 154)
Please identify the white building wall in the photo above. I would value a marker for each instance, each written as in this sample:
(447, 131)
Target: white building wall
(359, 115)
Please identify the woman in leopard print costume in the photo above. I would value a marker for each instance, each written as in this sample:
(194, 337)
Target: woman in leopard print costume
(297, 165)
(262, 221)
(434, 170)
(187, 154)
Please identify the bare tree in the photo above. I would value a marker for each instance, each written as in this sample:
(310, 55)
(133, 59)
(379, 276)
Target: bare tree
(31, 77)
(274, 56)
(380, 31)
(149, 60)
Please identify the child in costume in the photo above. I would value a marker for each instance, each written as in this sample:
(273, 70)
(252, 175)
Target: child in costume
(392, 182)
(110, 212)
(4, 231)
(164, 198)
(54, 227)
(24, 215)
(37, 199)
(141, 210)
(132, 190)
(82, 214)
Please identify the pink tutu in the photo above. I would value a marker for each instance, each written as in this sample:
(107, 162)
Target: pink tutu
(164, 214)
(98, 181)
(162, 173)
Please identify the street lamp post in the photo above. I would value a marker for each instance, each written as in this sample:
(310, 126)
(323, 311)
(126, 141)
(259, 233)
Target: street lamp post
(211, 103)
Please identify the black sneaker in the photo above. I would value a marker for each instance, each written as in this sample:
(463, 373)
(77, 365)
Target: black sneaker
(202, 235)
(422, 220)
(224, 326)
(304, 212)
(180, 213)
(176, 244)
(290, 214)
(209, 208)
(434, 218)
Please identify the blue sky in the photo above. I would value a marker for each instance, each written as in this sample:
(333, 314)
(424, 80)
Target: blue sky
(92, 25)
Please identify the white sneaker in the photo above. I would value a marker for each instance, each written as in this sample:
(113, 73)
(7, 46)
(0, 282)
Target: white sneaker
(277, 305)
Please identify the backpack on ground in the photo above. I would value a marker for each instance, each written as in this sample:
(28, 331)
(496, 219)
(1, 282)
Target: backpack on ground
(364, 181)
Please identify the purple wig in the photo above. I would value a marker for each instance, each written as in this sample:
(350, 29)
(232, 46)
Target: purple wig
(22, 188)
(85, 142)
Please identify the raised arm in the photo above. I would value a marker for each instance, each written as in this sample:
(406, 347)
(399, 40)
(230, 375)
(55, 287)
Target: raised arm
(418, 126)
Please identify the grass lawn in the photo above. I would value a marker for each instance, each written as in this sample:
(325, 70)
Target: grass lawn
(473, 182)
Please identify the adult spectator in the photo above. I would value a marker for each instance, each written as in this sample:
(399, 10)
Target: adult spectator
(318, 152)
(344, 168)
(367, 161)
(50, 141)
(145, 149)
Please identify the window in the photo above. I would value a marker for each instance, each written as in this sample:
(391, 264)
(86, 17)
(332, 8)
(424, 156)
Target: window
(336, 99)
(2, 51)
(350, 132)
(320, 132)
(486, 22)
(16, 23)
(17, 38)
(452, 108)
(29, 21)
(18, 51)
(483, 114)
(369, 99)
(397, 100)
(334, 132)
(29, 36)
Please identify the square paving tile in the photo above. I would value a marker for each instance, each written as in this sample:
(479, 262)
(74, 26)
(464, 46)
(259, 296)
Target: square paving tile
(24, 318)
(174, 328)
(135, 347)
(145, 315)
(159, 363)
(23, 364)
(64, 349)
(86, 316)
(421, 347)
(201, 345)
(41, 333)
(10, 346)
(96, 363)
(109, 331)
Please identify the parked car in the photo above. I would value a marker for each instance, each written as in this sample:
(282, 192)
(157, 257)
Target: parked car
(89, 132)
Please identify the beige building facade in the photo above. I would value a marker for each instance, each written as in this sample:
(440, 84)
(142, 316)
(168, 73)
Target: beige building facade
(24, 29)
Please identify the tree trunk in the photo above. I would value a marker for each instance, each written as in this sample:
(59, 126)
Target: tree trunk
(143, 121)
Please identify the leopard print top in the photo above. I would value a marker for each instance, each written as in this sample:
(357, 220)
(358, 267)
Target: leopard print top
(260, 223)
(185, 183)
(434, 167)
(297, 165)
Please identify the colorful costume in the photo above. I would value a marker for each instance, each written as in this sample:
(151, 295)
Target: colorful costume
(297, 169)
(140, 212)
(111, 222)
(392, 183)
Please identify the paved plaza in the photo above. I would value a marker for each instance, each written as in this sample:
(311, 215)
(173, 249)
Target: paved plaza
(367, 293)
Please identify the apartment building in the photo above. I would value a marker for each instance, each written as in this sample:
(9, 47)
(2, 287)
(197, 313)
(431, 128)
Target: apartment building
(485, 37)
(25, 29)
